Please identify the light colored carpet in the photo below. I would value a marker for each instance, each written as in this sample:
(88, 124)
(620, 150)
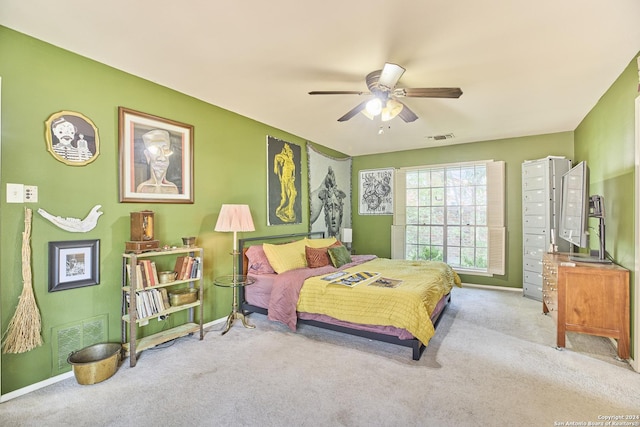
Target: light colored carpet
(492, 362)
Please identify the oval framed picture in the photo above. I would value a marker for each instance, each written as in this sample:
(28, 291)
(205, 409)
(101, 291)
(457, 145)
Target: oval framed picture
(72, 138)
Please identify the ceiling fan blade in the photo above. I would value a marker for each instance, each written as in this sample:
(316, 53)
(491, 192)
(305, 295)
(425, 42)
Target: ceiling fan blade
(429, 92)
(353, 111)
(406, 114)
(390, 75)
(338, 92)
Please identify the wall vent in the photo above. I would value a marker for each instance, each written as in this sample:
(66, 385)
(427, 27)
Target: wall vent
(68, 338)
(440, 137)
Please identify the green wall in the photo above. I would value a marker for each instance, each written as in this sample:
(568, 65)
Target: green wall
(230, 167)
(606, 140)
(372, 234)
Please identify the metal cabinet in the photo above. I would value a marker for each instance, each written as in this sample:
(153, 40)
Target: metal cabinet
(541, 193)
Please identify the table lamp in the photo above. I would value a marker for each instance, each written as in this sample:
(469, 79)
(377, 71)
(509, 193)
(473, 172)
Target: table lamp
(234, 218)
(346, 238)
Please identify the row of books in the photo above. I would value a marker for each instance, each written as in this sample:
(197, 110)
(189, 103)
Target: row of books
(187, 267)
(150, 302)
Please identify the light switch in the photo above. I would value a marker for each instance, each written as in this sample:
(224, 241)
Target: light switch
(15, 193)
(31, 193)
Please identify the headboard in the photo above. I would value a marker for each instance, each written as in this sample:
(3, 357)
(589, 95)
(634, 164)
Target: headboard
(243, 244)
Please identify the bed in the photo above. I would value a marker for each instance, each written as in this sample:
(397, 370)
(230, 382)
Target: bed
(398, 301)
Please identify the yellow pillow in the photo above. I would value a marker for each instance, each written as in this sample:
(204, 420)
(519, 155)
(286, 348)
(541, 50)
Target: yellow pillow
(320, 243)
(287, 256)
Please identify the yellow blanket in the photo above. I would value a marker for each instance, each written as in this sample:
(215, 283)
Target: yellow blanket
(407, 306)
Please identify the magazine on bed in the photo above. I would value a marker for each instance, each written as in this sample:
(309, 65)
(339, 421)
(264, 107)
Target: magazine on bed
(357, 278)
(385, 282)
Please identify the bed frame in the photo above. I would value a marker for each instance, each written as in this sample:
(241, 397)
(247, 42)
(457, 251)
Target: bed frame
(414, 344)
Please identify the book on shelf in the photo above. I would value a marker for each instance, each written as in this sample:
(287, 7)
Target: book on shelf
(179, 266)
(357, 278)
(157, 299)
(165, 297)
(147, 305)
(138, 272)
(186, 271)
(147, 273)
(197, 268)
(150, 302)
(386, 282)
(140, 307)
(154, 272)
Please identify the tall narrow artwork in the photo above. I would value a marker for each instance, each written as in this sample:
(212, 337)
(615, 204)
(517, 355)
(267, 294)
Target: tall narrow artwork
(284, 188)
(376, 192)
(329, 193)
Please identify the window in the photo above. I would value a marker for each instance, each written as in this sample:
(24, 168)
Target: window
(452, 213)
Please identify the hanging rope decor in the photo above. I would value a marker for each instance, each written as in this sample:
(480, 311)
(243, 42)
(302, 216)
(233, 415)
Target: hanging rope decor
(23, 333)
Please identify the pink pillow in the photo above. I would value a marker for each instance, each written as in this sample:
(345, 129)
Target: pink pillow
(258, 262)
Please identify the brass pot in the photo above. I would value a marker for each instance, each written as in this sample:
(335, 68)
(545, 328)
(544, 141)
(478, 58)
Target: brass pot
(95, 363)
(167, 276)
(183, 296)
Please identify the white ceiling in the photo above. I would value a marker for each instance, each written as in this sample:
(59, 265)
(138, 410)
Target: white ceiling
(525, 67)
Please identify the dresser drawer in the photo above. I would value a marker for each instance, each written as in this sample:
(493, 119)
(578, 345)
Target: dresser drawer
(532, 170)
(534, 221)
(533, 252)
(534, 265)
(533, 278)
(534, 183)
(535, 240)
(534, 196)
(535, 208)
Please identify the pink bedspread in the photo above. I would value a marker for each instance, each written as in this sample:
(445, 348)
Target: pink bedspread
(287, 285)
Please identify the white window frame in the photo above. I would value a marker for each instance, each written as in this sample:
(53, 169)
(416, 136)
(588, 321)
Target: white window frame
(495, 214)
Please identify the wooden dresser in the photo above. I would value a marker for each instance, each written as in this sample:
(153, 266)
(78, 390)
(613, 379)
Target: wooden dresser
(587, 298)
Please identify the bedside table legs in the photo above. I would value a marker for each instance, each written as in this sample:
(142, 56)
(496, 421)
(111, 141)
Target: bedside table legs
(236, 315)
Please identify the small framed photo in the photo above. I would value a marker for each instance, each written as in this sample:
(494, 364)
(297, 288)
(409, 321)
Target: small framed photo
(375, 192)
(73, 264)
(72, 138)
(156, 158)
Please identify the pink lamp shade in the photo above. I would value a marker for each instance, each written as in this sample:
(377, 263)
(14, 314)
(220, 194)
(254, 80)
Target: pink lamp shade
(235, 218)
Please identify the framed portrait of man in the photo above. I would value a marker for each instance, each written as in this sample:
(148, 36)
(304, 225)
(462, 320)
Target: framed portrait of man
(284, 188)
(329, 192)
(72, 138)
(156, 158)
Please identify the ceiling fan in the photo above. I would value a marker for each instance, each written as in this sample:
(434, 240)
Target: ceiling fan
(382, 85)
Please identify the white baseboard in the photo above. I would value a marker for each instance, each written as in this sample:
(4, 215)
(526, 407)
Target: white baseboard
(62, 377)
(492, 287)
(36, 386)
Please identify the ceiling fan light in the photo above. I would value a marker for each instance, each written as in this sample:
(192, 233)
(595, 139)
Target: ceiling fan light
(374, 107)
(367, 115)
(391, 110)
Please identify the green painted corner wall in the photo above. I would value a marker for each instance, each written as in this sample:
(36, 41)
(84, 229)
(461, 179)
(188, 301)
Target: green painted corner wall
(38, 80)
(372, 234)
(606, 140)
